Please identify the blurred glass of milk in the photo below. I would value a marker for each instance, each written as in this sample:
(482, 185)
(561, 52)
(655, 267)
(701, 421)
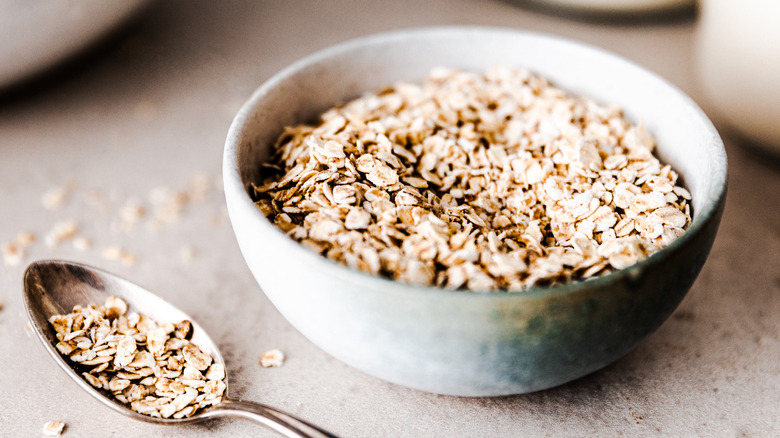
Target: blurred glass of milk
(739, 66)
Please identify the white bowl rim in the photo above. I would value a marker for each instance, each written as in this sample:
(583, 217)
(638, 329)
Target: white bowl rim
(233, 182)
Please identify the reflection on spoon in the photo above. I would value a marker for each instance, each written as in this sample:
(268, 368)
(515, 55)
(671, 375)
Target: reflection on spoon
(54, 287)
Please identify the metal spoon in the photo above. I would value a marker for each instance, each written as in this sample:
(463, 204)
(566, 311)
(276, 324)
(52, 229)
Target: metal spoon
(54, 287)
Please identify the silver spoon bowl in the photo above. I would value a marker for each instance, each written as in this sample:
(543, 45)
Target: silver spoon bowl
(54, 287)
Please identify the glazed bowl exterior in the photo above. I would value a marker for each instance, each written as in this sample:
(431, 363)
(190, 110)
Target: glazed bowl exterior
(458, 342)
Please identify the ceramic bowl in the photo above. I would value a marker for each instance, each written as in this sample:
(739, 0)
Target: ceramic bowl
(457, 342)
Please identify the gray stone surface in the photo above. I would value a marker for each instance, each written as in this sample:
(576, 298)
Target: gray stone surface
(152, 107)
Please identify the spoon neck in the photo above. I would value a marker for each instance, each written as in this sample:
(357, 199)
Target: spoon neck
(279, 421)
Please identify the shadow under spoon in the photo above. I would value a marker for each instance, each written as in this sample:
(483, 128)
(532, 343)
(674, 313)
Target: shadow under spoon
(54, 287)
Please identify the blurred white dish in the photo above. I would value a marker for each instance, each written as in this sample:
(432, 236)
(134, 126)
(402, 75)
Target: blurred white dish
(619, 6)
(35, 35)
(739, 66)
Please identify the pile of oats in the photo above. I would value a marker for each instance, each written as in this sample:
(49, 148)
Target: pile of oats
(151, 367)
(494, 181)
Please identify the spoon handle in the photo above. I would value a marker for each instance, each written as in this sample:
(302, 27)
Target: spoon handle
(279, 421)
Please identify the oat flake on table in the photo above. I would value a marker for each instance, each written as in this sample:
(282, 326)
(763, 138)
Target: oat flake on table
(475, 181)
(53, 428)
(272, 359)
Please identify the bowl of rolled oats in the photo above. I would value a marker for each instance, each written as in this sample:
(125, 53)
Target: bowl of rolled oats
(473, 211)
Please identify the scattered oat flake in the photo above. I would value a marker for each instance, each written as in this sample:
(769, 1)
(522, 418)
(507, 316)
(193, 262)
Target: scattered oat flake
(131, 212)
(82, 243)
(119, 254)
(12, 254)
(272, 358)
(53, 428)
(60, 232)
(168, 204)
(24, 238)
(112, 253)
(129, 259)
(55, 198)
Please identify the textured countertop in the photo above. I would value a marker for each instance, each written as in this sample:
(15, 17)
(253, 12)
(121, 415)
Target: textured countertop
(149, 110)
